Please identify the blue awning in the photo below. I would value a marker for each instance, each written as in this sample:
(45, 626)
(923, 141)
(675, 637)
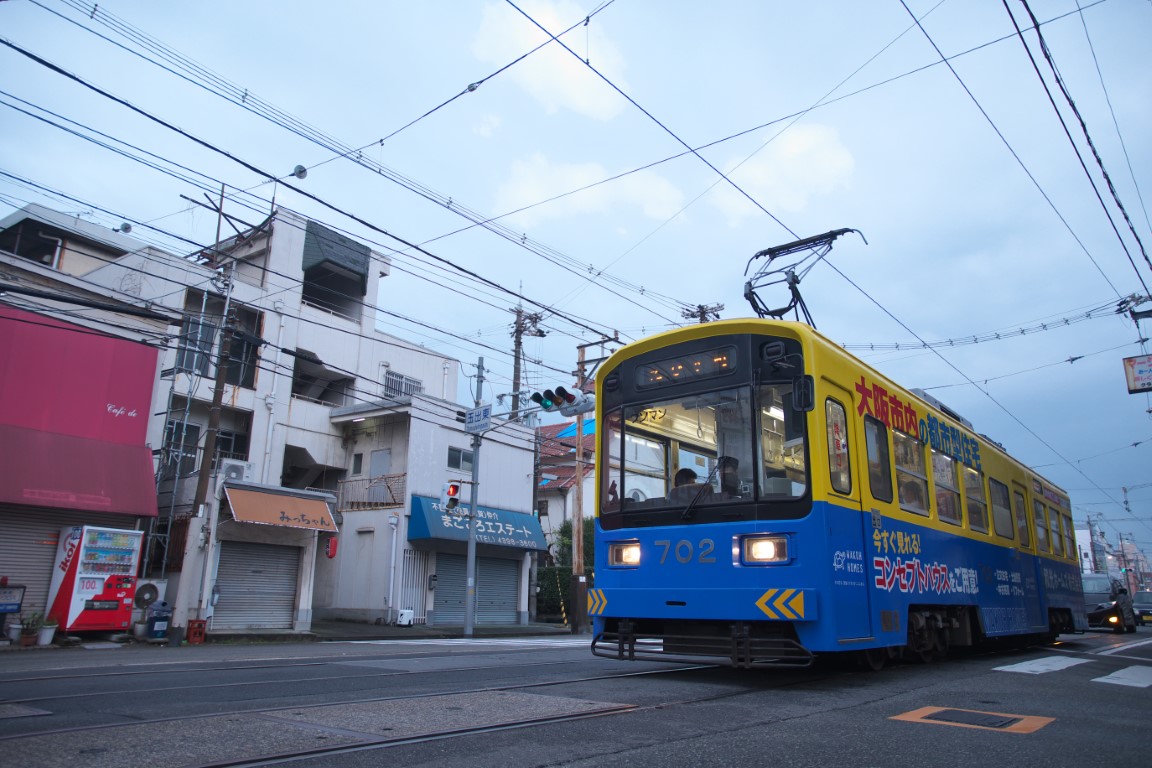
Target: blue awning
(498, 527)
(570, 430)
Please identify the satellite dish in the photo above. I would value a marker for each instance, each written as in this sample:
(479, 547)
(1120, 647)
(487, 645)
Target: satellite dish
(299, 171)
(124, 227)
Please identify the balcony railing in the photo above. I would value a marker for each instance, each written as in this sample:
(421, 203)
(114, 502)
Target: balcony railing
(371, 493)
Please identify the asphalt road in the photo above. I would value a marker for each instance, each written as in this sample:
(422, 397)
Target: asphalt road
(545, 701)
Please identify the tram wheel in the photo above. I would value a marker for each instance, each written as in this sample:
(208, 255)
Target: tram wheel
(873, 659)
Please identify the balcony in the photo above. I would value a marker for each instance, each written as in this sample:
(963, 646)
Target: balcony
(383, 492)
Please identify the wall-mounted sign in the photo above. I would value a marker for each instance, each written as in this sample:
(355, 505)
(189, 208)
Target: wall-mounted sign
(1138, 372)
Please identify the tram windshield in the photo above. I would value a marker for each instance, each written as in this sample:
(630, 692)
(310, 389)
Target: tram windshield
(695, 456)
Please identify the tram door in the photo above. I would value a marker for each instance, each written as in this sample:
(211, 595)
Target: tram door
(848, 524)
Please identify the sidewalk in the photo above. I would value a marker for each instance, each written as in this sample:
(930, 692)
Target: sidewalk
(334, 631)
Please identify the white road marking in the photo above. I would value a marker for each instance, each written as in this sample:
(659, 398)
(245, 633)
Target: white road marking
(1041, 666)
(1124, 647)
(1134, 677)
(543, 642)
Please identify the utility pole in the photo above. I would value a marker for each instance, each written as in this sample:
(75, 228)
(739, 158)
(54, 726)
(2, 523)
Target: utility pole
(703, 313)
(470, 562)
(525, 325)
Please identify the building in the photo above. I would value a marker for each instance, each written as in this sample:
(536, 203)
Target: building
(301, 477)
(556, 494)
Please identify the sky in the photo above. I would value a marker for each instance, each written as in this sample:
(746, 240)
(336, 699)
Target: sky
(624, 173)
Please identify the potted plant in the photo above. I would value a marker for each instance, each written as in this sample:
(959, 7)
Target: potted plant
(30, 625)
(47, 631)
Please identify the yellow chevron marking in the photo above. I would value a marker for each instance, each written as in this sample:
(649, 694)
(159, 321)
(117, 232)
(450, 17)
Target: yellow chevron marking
(597, 602)
(782, 603)
(603, 601)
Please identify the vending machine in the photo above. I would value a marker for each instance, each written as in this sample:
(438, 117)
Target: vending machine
(94, 578)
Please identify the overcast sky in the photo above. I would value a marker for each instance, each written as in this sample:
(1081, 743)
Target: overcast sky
(805, 117)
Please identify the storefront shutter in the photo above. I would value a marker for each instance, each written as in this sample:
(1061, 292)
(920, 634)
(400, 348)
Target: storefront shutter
(257, 584)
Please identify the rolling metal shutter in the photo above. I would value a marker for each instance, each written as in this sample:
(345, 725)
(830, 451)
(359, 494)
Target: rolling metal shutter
(257, 585)
(496, 590)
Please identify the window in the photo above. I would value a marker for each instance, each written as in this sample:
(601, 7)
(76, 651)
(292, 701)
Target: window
(195, 346)
(357, 463)
(460, 459)
(1021, 519)
(1069, 537)
(839, 467)
(947, 493)
(1056, 536)
(180, 445)
(911, 475)
(1001, 512)
(1041, 520)
(977, 501)
(879, 462)
(231, 445)
(399, 385)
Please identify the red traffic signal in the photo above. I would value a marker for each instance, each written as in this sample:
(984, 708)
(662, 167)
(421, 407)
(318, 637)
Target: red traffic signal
(450, 495)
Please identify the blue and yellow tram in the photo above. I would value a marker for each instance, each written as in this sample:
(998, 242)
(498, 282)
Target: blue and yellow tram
(764, 497)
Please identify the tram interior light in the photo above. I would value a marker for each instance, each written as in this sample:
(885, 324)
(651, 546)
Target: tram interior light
(624, 554)
(765, 549)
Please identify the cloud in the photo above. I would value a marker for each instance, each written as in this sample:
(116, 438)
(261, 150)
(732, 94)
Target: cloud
(806, 161)
(537, 178)
(552, 76)
(487, 126)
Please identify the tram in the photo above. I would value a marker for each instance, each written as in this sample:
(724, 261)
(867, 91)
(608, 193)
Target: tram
(764, 498)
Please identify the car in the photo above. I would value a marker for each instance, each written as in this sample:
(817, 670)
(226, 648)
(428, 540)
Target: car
(1142, 602)
(1108, 603)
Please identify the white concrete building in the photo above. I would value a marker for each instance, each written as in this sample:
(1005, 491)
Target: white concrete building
(332, 442)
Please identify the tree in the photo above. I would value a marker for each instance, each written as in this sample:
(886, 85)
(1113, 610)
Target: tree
(564, 545)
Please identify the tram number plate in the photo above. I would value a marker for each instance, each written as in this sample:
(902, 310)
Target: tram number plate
(703, 551)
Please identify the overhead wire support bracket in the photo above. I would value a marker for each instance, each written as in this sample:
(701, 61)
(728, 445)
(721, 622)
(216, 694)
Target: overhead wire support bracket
(791, 274)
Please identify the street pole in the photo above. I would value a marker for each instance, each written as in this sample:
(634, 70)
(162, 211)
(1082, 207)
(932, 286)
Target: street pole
(470, 563)
(579, 579)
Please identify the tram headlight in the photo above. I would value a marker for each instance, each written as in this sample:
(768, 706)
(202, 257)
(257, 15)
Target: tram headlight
(765, 549)
(624, 554)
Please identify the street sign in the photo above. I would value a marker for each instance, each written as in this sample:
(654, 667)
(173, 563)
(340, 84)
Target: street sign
(478, 419)
(1138, 372)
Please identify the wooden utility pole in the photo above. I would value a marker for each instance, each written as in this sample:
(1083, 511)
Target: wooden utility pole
(525, 325)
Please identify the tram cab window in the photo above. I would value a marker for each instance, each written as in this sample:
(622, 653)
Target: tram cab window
(911, 472)
(782, 456)
(1020, 511)
(1040, 517)
(947, 491)
(977, 501)
(1001, 511)
(879, 462)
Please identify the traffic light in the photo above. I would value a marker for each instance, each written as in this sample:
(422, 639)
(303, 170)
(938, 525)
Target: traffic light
(560, 399)
(450, 496)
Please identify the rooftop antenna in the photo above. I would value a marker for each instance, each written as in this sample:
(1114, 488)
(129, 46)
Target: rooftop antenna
(789, 274)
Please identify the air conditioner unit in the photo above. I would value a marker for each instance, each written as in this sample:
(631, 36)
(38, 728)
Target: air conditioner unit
(149, 591)
(231, 469)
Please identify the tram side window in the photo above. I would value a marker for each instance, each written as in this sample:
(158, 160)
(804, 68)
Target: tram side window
(947, 490)
(911, 472)
(1041, 520)
(1001, 511)
(977, 501)
(839, 467)
(1021, 514)
(1069, 537)
(879, 463)
(1057, 537)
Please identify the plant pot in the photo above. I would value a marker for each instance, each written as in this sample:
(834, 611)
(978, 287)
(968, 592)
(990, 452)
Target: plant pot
(27, 640)
(46, 635)
(14, 631)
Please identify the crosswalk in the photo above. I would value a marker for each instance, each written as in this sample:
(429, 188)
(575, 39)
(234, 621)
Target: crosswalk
(1134, 676)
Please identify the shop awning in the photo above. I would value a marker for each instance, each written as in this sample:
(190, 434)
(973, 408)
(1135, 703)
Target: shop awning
(268, 508)
(499, 527)
(47, 469)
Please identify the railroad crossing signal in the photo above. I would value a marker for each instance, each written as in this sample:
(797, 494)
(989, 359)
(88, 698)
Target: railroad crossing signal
(560, 399)
(450, 495)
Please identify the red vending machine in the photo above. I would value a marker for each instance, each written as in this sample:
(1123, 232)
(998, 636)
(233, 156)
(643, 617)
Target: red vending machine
(94, 579)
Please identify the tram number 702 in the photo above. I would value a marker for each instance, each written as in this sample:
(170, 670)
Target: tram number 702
(685, 552)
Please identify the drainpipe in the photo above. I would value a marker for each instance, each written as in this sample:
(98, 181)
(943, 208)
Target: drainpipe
(394, 522)
(59, 249)
(270, 398)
